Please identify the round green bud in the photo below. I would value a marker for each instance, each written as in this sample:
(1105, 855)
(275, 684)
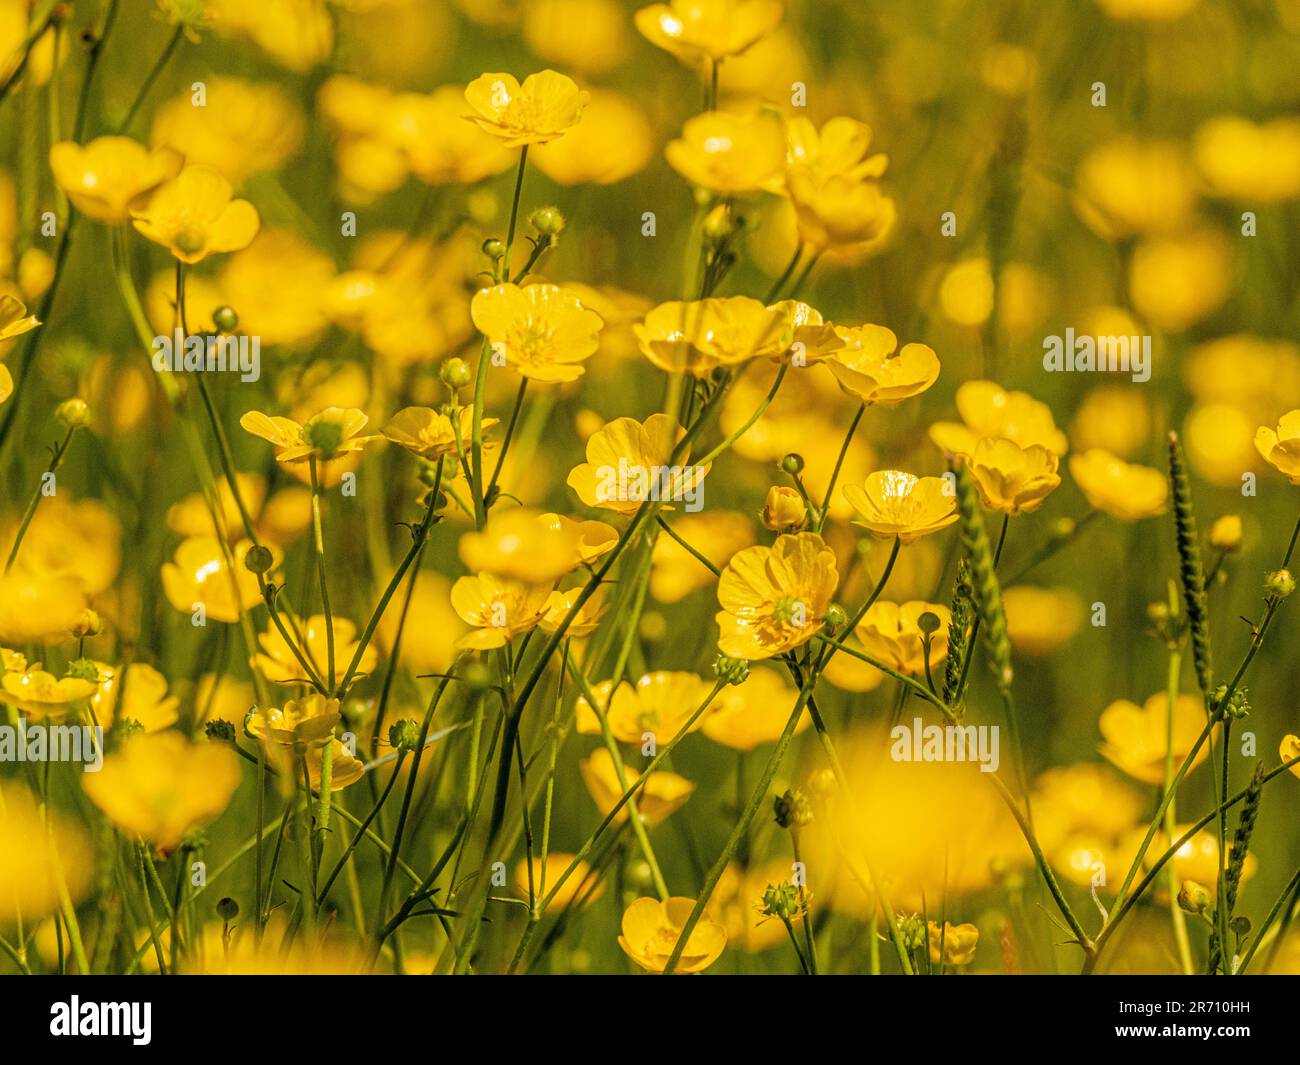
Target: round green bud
(73, 413)
(792, 464)
(547, 221)
(836, 618)
(1193, 898)
(792, 810)
(1280, 583)
(928, 623)
(455, 373)
(732, 670)
(781, 900)
(84, 669)
(227, 909)
(225, 319)
(404, 735)
(493, 248)
(259, 559)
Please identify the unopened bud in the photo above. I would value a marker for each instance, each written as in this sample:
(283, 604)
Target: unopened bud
(455, 373)
(73, 413)
(1280, 583)
(784, 509)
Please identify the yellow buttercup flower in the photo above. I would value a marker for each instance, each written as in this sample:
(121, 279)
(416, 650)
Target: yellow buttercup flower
(558, 605)
(872, 367)
(697, 337)
(775, 598)
(198, 576)
(345, 767)
(1136, 737)
(613, 141)
(832, 183)
(1243, 160)
(746, 715)
(694, 30)
(891, 634)
(1115, 418)
(1175, 281)
(439, 147)
(278, 664)
(430, 433)
(326, 436)
(42, 854)
(14, 319)
(1128, 186)
(158, 787)
(1196, 860)
(989, 410)
(661, 703)
(1013, 479)
(894, 503)
(137, 693)
(104, 178)
(195, 215)
(499, 610)
(1280, 447)
(730, 154)
(299, 725)
(543, 331)
(784, 509)
(629, 462)
(651, 929)
(39, 694)
(580, 889)
(1289, 750)
(544, 107)
(39, 607)
(661, 794)
(590, 36)
(952, 944)
(1129, 493)
(524, 545)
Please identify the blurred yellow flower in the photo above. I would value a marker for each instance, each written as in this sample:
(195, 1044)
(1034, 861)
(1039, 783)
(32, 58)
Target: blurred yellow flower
(717, 535)
(872, 367)
(332, 433)
(195, 215)
(1129, 493)
(439, 147)
(693, 30)
(278, 664)
(279, 284)
(730, 154)
(1226, 533)
(499, 610)
(544, 107)
(775, 598)
(651, 929)
(1289, 751)
(1253, 162)
(659, 796)
(106, 177)
(832, 183)
(40, 694)
(1218, 439)
(891, 633)
(158, 787)
(660, 704)
(1280, 447)
(746, 715)
(1147, 10)
(629, 462)
(198, 576)
(558, 605)
(525, 545)
(952, 944)
(1136, 737)
(137, 693)
(1129, 186)
(297, 34)
(989, 410)
(244, 128)
(42, 855)
(1176, 281)
(1010, 478)
(430, 433)
(894, 503)
(579, 889)
(1041, 620)
(39, 607)
(542, 331)
(589, 36)
(613, 141)
(14, 319)
(1115, 418)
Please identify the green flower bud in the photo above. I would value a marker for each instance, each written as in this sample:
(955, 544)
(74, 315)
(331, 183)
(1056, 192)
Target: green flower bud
(793, 810)
(73, 413)
(547, 221)
(259, 559)
(227, 909)
(912, 930)
(732, 670)
(1279, 583)
(1193, 898)
(404, 735)
(225, 319)
(455, 373)
(493, 248)
(220, 730)
(781, 900)
(792, 464)
(928, 623)
(836, 618)
(84, 669)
